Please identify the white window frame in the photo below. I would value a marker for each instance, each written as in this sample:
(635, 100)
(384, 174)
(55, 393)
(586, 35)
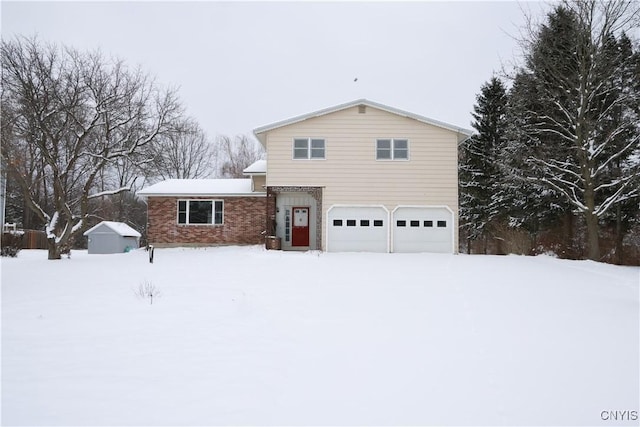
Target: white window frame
(213, 212)
(309, 148)
(392, 148)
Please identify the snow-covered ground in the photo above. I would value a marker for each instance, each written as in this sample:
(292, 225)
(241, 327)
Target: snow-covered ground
(240, 335)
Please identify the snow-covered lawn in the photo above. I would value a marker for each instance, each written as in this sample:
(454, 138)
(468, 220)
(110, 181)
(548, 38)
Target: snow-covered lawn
(240, 335)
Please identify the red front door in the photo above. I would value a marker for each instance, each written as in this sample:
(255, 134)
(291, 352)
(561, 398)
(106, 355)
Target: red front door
(300, 232)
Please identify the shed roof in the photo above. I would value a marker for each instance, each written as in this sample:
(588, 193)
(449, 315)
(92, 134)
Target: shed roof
(200, 187)
(118, 227)
(462, 133)
(256, 168)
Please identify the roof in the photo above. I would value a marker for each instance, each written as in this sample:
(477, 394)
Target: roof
(462, 133)
(200, 187)
(119, 227)
(256, 168)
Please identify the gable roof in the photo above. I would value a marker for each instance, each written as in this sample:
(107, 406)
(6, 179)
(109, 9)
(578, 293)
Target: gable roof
(119, 227)
(200, 187)
(462, 133)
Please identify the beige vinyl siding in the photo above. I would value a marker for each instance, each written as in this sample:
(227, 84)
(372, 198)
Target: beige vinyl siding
(350, 173)
(259, 182)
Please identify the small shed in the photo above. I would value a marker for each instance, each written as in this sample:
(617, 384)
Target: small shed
(110, 237)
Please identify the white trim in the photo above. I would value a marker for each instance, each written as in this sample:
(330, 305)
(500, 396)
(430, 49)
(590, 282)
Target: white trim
(213, 212)
(423, 206)
(183, 195)
(454, 225)
(255, 168)
(327, 225)
(309, 139)
(463, 134)
(123, 228)
(393, 143)
(198, 187)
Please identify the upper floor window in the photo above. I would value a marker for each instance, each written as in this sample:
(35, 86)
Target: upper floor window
(308, 148)
(392, 149)
(200, 212)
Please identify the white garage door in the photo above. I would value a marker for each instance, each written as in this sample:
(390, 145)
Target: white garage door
(358, 229)
(423, 229)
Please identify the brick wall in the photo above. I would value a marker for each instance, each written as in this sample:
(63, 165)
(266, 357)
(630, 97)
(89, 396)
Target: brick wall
(244, 222)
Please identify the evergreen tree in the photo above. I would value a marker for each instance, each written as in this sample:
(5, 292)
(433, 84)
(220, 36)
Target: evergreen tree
(479, 173)
(525, 202)
(572, 89)
(621, 57)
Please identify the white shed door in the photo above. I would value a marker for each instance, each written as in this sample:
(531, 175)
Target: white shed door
(423, 229)
(358, 229)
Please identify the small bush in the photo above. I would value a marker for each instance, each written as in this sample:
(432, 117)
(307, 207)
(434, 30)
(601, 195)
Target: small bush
(11, 244)
(147, 289)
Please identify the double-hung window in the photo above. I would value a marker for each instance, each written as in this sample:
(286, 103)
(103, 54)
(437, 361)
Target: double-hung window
(199, 212)
(308, 148)
(392, 149)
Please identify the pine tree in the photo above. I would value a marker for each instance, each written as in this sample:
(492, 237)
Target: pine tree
(573, 88)
(621, 57)
(525, 201)
(479, 173)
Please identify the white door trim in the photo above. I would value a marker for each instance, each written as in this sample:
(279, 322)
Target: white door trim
(454, 224)
(339, 205)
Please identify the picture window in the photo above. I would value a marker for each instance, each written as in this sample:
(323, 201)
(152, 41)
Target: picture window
(200, 212)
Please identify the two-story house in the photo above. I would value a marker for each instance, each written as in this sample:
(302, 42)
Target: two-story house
(360, 176)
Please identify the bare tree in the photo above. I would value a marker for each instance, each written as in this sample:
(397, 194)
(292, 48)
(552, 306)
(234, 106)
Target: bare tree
(237, 154)
(185, 152)
(77, 113)
(20, 159)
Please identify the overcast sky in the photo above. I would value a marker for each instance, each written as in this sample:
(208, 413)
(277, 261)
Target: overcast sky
(241, 65)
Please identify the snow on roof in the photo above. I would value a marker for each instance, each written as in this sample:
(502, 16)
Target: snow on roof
(200, 187)
(462, 133)
(119, 227)
(256, 168)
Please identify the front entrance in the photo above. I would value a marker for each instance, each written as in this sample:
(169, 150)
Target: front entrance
(303, 232)
(300, 228)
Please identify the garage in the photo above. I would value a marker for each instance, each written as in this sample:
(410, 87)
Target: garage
(358, 229)
(423, 229)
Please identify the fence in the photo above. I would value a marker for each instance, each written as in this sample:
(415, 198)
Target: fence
(30, 239)
(34, 239)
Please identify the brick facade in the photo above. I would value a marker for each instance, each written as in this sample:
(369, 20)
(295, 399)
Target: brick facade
(244, 223)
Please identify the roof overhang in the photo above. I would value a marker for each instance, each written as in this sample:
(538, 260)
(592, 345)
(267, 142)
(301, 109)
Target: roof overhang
(211, 195)
(257, 168)
(260, 132)
(119, 228)
(201, 188)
